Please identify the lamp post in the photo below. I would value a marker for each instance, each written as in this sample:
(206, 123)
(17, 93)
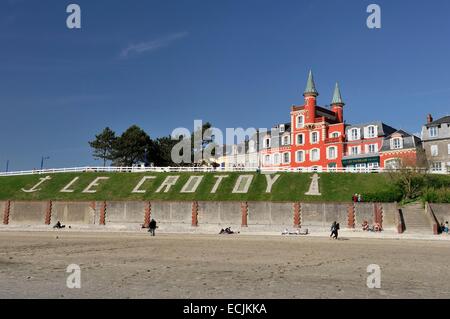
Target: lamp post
(42, 161)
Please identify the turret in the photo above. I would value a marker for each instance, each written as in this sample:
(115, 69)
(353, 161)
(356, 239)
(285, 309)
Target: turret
(337, 104)
(310, 95)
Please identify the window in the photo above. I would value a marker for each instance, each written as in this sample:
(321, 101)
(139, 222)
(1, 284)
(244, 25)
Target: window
(354, 134)
(372, 148)
(315, 155)
(300, 139)
(434, 150)
(332, 167)
(282, 129)
(334, 134)
(314, 137)
(373, 165)
(433, 131)
(300, 121)
(448, 146)
(393, 163)
(300, 156)
(354, 150)
(396, 143)
(267, 159)
(276, 159)
(267, 143)
(371, 132)
(436, 167)
(332, 153)
(286, 158)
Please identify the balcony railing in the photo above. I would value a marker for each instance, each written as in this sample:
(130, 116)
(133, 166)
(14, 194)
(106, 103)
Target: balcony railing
(361, 154)
(338, 139)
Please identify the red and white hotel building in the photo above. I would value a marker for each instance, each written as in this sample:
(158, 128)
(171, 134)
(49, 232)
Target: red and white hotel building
(318, 138)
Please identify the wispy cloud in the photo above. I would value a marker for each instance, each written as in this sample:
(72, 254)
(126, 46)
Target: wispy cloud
(151, 46)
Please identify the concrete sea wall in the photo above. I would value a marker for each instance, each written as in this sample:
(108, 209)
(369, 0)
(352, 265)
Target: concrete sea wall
(441, 211)
(187, 216)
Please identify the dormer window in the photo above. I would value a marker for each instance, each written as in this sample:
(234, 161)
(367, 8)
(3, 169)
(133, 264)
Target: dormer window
(396, 143)
(282, 128)
(354, 134)
(371, 131)
(433, 131)
(267, 143)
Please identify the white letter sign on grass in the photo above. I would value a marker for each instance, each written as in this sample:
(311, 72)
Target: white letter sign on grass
(314, 186)
(242, 184)
(138, 189)
(218, 181)
(192, 184)
(67, 189)
(95, 183)
(167, 184)
(35, 187)
(270, 182)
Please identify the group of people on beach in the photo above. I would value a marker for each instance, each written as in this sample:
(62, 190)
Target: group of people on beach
(227, 231)
(376, 227)
(357, 198)
(335, 230)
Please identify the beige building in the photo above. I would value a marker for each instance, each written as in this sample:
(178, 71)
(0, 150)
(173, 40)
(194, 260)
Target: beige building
(436, 142)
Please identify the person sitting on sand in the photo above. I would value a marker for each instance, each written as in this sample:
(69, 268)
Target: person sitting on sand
(446, 228)
(377, 227)
(227, 231)
(58, 225)
(365, 226)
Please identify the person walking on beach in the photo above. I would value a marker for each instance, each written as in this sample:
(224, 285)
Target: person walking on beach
(152, 227)
(333, 229)
(336, 231)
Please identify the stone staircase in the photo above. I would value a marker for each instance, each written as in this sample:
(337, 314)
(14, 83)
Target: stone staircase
(416, 221)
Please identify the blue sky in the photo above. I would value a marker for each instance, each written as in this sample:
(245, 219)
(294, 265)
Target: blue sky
(162, 64)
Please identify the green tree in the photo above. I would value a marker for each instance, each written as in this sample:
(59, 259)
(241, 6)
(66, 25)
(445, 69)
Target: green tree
(161, 151)
(133, 146)
(103, 145)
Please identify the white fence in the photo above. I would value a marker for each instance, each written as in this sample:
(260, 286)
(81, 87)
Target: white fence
(196, 169)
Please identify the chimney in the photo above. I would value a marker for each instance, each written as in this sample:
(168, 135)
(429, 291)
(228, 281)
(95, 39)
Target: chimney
(429, 119)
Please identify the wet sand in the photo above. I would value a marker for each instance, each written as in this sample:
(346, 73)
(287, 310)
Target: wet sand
(124, 265)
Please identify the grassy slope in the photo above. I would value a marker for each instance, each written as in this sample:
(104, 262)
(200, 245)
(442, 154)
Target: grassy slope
(289, 187)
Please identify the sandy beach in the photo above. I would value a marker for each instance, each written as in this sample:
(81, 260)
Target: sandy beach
(127, 265)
